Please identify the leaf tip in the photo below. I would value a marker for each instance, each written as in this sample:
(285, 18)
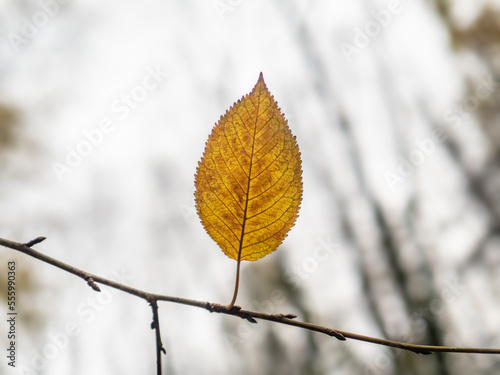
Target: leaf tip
(262, 83)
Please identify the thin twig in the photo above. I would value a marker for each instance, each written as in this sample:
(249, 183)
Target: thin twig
(156, 326)
(288, 319)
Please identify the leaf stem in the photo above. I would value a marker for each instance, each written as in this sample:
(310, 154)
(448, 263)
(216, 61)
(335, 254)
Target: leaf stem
(237, 283)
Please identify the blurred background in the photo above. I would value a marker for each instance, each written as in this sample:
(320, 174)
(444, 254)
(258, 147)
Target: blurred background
(105, 109)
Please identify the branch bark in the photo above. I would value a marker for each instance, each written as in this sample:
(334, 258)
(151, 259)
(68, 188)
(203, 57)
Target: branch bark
(288, 319)
(159, 345)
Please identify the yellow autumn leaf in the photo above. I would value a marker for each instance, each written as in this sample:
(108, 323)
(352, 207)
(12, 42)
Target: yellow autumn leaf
(249, 180)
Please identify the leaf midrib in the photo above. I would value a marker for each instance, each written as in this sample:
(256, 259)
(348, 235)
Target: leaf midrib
(249, 178)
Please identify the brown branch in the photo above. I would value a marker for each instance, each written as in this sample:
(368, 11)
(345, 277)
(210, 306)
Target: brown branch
(159, 346)
(288, 319)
